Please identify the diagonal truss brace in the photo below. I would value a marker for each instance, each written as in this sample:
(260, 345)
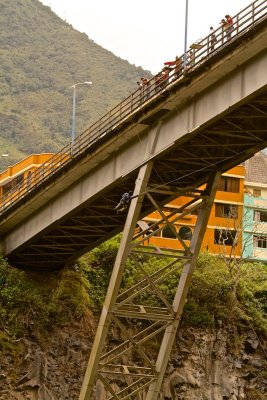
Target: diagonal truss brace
(183, 287)
(128, 370)
(115, 280)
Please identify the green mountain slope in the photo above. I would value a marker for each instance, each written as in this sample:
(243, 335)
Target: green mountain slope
(41, 57)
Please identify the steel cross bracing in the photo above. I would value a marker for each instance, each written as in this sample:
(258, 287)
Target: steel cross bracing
(225, 143)
(146, 314)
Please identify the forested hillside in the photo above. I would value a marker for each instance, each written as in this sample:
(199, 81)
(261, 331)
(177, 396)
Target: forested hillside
(41, 57)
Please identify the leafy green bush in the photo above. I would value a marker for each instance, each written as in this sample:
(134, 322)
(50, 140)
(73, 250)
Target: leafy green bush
(19, 301)
(252, 294)
(215, 294)
(97, 267)
(30, 302)
(36, 301)
(209, 294)
(240, 300)
(70, 298)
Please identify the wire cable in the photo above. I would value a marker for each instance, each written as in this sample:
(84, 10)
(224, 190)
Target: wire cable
(190, 173)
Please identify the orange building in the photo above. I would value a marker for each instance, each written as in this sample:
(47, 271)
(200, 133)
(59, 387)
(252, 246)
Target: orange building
(224, 226)
(17, 176)
(224, 229)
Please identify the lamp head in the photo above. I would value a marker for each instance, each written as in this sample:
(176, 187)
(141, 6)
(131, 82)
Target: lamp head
(81, 83)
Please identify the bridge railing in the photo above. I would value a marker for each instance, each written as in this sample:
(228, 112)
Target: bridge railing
(103, 129)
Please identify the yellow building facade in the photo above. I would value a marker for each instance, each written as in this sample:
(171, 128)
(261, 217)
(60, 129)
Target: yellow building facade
(224, 230)
(19, 175)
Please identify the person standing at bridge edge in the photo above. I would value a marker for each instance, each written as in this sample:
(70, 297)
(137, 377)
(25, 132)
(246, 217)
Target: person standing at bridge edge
(229, 26)
(140, 88)
(176, 65)
(212, 39)
(124, 202)
(146, 85)
(224, 26)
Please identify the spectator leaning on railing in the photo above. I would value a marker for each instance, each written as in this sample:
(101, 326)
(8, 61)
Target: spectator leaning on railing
(229, 26)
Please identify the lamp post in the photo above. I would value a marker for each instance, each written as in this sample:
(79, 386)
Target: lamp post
(74, 110)
(185, 33)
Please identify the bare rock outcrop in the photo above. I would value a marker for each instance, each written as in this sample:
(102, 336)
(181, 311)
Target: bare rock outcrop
(208, 365)
(204, 365)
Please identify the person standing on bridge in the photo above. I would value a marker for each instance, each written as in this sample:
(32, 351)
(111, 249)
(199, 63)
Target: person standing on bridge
(224, 25)
(124, 202)
(212, 39)
(164, 77)
(176, 65)
(229, 26)
(146, 88)
(140, 88)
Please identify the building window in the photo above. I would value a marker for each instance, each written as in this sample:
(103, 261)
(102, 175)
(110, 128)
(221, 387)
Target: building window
(256, 192)
(226, 210)
(260, 216)
(194, 212)
(168, 233)
(228, 184)
(185, 233)
(225, 237)
(260, 241)
(7, 187)
(29, 180)
(19, 179)
(15, 183)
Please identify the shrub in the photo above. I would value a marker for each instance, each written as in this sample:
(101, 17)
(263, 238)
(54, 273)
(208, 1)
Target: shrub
(215, 293)
(36, 301)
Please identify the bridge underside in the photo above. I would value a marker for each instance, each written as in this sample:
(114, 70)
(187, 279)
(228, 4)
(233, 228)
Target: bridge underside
(235, 137)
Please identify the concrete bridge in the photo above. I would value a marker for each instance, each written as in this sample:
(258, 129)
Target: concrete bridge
(212, 117)
(163, 141)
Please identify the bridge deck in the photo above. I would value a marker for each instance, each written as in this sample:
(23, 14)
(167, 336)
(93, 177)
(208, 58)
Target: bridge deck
(222, 139)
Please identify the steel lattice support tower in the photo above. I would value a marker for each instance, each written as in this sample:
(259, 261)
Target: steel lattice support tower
(127, 370)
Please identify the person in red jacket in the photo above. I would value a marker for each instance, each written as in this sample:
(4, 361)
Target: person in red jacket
(176, 64)
(229, 26)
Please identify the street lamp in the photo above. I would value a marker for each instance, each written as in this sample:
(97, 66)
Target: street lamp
(74, 109)
(185, 33)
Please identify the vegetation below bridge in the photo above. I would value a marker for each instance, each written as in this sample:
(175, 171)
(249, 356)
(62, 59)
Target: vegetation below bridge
(47, 325)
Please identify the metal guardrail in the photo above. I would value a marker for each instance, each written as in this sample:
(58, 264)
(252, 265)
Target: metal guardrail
(199, 52)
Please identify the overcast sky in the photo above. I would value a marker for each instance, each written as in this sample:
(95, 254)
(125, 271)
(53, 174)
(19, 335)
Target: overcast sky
(144, 32)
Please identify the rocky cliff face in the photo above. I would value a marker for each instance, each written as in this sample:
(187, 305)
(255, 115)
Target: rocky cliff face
(204, 365)
(50, 370)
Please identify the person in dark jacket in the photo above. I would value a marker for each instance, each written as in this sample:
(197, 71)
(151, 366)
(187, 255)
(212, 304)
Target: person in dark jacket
(124, 202)
(212, 39)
